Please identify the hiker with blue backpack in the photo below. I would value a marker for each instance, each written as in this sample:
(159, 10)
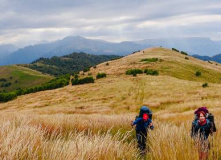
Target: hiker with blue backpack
(203, 125)
(143, 122)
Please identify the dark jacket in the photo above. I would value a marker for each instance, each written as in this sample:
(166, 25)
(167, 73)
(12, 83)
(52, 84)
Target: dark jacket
(141, 125)
(202, 131)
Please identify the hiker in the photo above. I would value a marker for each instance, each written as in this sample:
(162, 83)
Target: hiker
(143, 122)
(202, 127)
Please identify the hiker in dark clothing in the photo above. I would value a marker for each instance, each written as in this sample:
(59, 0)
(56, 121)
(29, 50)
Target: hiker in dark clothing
(201, 129)
(143, 122)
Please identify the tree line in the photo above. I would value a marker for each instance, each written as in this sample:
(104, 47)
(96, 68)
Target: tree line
(57, 82)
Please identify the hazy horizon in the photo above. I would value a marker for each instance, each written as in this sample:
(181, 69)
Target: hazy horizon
(92, 38)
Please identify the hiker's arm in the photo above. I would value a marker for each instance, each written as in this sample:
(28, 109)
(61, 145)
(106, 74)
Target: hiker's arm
(136, 121)
(151, 124)
(194, 129)
(210, 127)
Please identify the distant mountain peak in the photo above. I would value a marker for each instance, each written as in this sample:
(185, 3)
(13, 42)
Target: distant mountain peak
(73, 37)
(215, 58)
(69, 45)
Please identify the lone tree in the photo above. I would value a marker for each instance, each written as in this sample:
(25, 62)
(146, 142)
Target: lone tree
(198, 73)
(101, 75)
(205, 85)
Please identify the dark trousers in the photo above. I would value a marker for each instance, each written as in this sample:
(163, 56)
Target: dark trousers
(141, 139)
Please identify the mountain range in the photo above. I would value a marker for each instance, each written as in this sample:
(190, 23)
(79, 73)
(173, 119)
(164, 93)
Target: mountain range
(69, 45)
(216, 58)
(193, 46)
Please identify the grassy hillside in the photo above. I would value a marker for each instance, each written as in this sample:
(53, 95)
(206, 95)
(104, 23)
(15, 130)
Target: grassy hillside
(92, 121)
(170, 63)
(20, 77)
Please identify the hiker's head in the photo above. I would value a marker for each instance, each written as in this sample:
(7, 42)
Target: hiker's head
(202, 116)
(145, 109)
(203, 109)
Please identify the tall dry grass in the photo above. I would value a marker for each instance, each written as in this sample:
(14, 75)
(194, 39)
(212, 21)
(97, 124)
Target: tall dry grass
(171, 140)
(97, 136)
(40, 137)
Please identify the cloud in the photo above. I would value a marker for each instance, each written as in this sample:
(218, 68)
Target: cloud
(115, 20)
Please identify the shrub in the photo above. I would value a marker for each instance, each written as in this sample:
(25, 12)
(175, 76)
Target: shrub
(83, 80)
(7, 84)
(76, 76)
(4, 97)
(174, 49)
(151, 72)
(86, 69)
(149, 60)
(20, 91)
(205, 85)
(187, 58)
(119, 57)
(182, 52)
(101, 75)
(107, 64)
(3, 80)
(89, 74)
(198, 73)
(133, 71)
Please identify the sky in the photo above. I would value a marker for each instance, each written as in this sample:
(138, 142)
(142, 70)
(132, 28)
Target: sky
(24, 22)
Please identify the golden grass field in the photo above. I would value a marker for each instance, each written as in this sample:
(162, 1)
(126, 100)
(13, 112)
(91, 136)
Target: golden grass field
(92, 121)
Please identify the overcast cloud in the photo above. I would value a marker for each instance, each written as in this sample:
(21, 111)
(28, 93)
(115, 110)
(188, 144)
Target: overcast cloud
(25, 22)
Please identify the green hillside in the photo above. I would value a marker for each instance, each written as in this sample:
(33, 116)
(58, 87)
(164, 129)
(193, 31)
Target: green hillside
(14, 77)
(71, 63)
